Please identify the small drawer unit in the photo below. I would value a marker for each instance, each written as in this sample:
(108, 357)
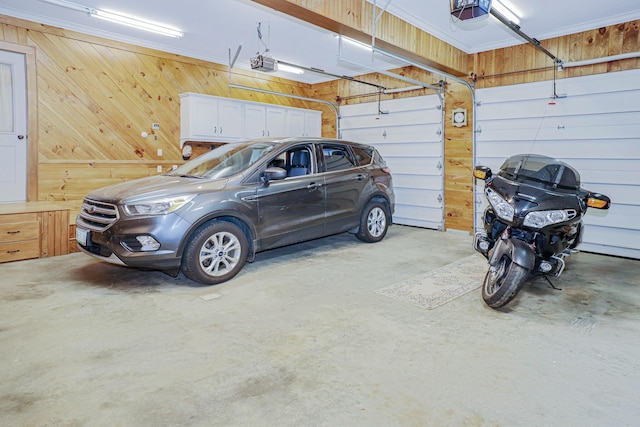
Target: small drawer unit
(19, 236)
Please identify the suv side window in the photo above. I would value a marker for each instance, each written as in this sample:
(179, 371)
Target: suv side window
(336, 158)
(363, 155)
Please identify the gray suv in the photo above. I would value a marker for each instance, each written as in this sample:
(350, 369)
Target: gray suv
(215, 212)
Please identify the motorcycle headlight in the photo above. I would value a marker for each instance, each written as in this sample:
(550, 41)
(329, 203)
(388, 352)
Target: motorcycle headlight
(158, 206)
(541, 219)
(501, 207)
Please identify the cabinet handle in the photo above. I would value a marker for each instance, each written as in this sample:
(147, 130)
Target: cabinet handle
(13, 232)
(220, 130)
(14, 251)
(215, 129)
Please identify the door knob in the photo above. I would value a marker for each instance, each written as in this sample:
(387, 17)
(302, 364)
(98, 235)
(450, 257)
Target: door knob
(20, 136)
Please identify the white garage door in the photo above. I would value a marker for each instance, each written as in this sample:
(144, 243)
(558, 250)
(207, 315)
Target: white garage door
(595, 128)
(409, 137)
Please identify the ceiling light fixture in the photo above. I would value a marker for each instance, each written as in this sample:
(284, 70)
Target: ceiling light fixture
(120, 18)
(130, 21)
(289, 69)
(506, 10)
(354, 42)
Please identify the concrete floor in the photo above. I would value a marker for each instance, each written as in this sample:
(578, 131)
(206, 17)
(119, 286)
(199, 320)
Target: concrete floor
(300, 338)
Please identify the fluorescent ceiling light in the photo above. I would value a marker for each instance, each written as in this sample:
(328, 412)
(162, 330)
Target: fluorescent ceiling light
(354, 42)
(136, 23)
(290, 69)
(119, 18)
(507, 10)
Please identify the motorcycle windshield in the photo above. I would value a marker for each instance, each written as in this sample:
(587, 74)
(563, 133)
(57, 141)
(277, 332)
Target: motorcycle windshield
(541, 171)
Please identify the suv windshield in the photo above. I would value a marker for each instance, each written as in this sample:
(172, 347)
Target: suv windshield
(541, 170)
(224, 161)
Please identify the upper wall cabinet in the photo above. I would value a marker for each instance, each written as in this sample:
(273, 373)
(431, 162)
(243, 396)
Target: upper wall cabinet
(209, 118)
(304, 122)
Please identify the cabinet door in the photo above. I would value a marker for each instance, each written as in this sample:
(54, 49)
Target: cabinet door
(255, 120)
(230, 120)
(203, 118)
(276, 122)
(295, 123)
(313, 123)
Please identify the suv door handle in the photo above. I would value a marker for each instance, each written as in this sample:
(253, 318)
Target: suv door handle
(313, 186)
(361, 176)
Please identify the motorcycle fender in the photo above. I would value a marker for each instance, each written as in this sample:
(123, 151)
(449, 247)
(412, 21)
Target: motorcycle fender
(517, 250)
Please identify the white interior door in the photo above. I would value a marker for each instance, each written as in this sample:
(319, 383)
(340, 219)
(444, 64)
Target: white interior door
(13, 127)
(594, 126)
(409, 137)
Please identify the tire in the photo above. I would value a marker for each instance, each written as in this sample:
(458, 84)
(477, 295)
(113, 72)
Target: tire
(501, 285)
(374, 222)
(215, 253)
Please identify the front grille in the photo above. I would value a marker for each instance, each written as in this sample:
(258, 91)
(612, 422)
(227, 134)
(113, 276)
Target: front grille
(97, 216)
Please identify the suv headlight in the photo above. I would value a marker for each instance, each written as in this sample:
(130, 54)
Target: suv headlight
(541, 219)
(157, 206)
(501, 207)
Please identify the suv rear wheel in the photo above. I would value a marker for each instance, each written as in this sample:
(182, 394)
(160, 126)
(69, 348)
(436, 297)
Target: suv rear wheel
(216, 253)
(374, 222)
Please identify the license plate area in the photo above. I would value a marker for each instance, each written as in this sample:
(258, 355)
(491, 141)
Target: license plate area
(82, 236)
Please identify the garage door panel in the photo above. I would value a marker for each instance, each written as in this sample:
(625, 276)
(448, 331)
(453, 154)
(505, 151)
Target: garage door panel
(564, 150)
(425, 151)
(418, 216)
(560, 133)
(608, 236)
(397, 134)
(410, 140)
(596, 129)
(619, 194)
(433, 182)
(577, 105)
(414, 165)
(618, 216)
(396, 119)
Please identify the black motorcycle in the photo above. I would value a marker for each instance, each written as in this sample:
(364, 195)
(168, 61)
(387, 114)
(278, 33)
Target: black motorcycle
(533, 221)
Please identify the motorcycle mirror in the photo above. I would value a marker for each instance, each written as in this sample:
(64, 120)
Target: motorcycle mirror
(598, 201)
(482, 172)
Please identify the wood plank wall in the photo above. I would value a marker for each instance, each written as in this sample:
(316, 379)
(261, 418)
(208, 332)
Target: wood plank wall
(95, 97)
(525, 64)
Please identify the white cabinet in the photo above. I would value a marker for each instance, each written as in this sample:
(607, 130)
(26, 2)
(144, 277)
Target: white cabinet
(263, 120)
(304, 122)
(230, 119)
(276, 122)
(209, 118)
(313, 123)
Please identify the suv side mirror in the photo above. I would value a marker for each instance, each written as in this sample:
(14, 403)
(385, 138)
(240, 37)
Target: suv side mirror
(482, 172)
(598, 201)
(273, 173)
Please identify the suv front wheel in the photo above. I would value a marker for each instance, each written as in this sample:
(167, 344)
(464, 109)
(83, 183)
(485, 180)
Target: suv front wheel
(216, 253)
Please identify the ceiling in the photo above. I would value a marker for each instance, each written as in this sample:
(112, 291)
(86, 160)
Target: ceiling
(215, 29)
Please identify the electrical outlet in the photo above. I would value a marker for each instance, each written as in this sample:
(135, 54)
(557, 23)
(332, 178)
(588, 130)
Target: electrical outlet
(155, 126)
(159, 152)
(159, 169)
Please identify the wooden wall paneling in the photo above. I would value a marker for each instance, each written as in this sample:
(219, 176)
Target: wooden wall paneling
(68, 181)
(590, 44)
(458, 161)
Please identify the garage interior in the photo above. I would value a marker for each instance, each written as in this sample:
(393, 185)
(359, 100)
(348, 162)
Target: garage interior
(306, 335)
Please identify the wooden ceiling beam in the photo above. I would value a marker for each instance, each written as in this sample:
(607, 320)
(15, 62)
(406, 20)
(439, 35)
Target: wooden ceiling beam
(353, 19)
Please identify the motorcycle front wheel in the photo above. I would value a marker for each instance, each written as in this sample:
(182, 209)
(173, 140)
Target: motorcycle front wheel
(503, 282)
